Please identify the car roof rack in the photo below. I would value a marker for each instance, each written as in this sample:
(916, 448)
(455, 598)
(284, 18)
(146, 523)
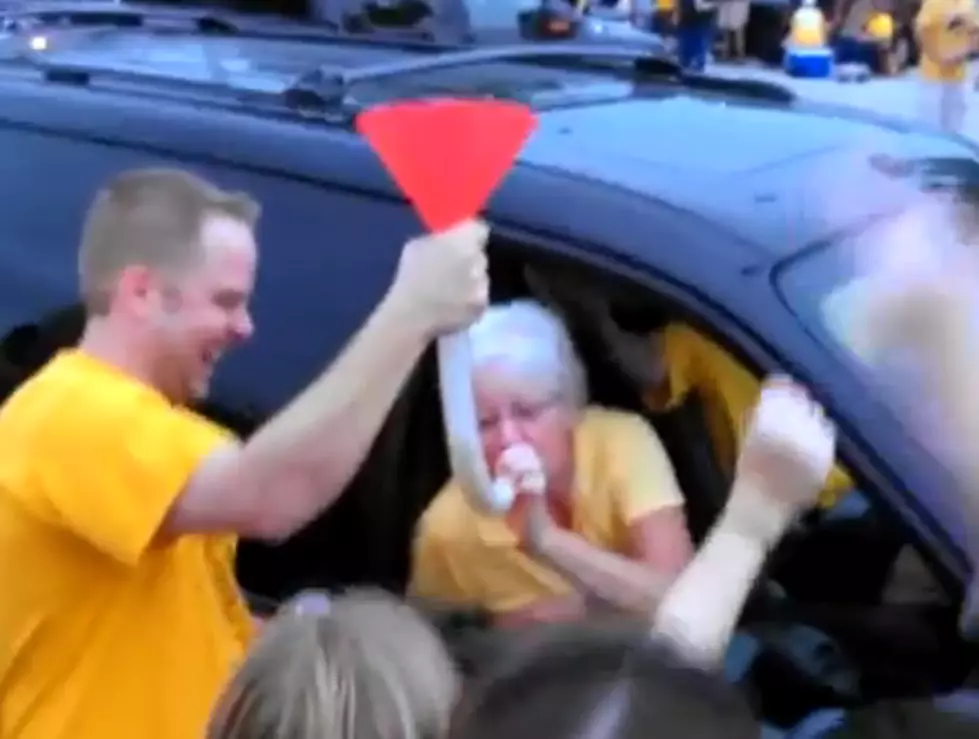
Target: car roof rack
(331, 86)
(328, 88)
(218, 90)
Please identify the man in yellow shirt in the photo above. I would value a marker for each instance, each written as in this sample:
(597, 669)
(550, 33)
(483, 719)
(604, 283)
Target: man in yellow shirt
(946, 31)
(610, 482)
(119, 509)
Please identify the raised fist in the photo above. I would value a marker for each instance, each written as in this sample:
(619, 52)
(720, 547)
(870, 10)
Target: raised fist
(787, 454)
(442, 281)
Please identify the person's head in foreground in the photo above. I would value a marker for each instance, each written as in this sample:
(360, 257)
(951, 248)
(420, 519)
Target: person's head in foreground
(601, 681)
(529, 386)
(167, 267)
(362, 665)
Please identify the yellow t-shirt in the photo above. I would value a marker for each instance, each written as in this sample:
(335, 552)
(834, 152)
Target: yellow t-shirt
(465, 557)
(728, 392)
(880, 26)
(106, 631)
(936, 37)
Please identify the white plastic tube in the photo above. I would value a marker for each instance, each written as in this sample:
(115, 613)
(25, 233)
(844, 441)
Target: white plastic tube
(462, 430)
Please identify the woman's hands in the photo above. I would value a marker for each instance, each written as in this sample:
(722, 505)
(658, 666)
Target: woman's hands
(528, 518)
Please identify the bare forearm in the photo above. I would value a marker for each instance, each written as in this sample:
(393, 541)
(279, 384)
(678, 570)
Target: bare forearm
(604, 576)
(700, 612)
(554, 610)
(301, 460)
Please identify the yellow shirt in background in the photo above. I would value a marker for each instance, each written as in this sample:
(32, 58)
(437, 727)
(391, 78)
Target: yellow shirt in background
(105, 631)
(880, 27)
(936, 37)
(464, 557)
(728, 392)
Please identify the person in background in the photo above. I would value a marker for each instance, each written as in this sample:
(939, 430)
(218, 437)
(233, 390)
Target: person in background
(863, 33)
(131, 505)
(665, 19)
(361, 665)
(946, 31)
(880, 33)
(610, 483)
(695, 31)
(732, 22)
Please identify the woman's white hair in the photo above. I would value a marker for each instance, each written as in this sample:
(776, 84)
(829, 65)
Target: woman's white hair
(527, 338)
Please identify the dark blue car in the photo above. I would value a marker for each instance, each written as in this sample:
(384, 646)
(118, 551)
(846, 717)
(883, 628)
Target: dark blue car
(681, 197)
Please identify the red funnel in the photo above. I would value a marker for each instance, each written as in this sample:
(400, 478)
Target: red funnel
(447, 156)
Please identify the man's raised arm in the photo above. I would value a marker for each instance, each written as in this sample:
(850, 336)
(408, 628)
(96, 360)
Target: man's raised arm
(299, 462)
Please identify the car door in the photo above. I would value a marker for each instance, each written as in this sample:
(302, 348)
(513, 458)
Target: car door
(806, 644)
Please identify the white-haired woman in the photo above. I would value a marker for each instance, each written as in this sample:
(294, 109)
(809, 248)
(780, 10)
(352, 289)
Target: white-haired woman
(609, 481)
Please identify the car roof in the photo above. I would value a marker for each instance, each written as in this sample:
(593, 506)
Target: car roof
(767, 172)
(748, 158)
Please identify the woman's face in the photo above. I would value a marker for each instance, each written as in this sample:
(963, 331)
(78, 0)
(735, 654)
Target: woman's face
(517, 408)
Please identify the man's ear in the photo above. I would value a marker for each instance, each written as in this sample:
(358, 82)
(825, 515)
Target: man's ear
(138, 289)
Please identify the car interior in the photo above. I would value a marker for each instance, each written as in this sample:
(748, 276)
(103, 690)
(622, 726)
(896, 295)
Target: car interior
(817, 632)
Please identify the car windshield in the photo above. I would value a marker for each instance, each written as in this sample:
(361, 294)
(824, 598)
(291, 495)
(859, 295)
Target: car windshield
(824, 285)
(825, 288)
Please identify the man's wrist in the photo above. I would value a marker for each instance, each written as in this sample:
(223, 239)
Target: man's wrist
(399, 312)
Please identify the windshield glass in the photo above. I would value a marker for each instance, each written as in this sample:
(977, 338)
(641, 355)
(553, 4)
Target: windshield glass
(824, 284)
(825, 287)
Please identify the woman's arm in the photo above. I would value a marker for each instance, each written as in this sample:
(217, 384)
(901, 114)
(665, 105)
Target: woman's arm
(786, 457)
(571, 607)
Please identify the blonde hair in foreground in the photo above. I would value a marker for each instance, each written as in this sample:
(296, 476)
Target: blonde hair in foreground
(369, 668)
(153, 218)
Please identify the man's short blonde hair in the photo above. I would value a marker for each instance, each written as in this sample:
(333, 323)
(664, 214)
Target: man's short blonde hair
(369, 667)
(150, 217)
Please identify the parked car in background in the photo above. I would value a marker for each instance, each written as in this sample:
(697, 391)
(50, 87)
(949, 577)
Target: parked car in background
(484, 21)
